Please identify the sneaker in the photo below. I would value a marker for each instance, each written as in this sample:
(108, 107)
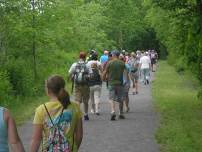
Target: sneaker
(127, 109)
(121, 116)
(92, 111)
(97, 113)
(86, 117)
(113, 117)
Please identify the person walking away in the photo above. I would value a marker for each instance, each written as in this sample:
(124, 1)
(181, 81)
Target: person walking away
(145, 66)
(153, 60)
(104, 67)
(95, 83)
(114, 73)
(134, 72)
(104, 58)
(126, 83)
(8, 133)
(58, 122)
(79, 73)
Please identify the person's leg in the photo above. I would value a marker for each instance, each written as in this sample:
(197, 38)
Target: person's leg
(126, 99)
(97, 94)
(147, 75)
(112, 102)
(133, 83)
(85, 95)
(78, 95)
(120, 95)
(92, 99)
(144, 76)
(136, 82)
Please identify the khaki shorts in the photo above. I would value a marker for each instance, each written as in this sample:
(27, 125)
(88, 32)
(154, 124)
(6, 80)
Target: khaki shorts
(116, 93)
(81, 93)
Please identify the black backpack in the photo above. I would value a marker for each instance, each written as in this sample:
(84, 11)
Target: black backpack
(95, 78)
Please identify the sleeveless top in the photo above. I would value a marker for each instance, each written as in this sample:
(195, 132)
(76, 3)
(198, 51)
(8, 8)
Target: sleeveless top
(3, 132)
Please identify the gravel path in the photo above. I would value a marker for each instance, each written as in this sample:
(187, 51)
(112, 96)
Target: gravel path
(134, 134)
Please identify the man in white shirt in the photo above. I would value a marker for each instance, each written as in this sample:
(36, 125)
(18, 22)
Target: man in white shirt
(145, 66)
(79, 73)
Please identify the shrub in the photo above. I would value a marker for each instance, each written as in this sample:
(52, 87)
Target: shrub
(5, 88)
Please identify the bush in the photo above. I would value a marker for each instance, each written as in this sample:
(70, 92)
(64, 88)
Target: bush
(5, 88)
(199, 95)
(21, 77)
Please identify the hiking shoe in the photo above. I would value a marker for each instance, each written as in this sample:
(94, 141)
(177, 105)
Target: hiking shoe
(121, 116)
(113, 117)
(97, 113)
(92, 111)
(127, 109)
(86, 117)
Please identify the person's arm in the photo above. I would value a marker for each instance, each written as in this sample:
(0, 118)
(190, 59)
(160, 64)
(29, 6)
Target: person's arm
(150, 67)
(36, 137)
(78, 133)
(71, 71)
(140, 64)
(100, 66)
(13, 137)
(105, 73)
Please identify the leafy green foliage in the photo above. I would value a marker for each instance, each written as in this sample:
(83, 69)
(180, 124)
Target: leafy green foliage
(178, 25)
(40, 38)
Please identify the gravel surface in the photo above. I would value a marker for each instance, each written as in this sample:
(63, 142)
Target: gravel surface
(134, 134)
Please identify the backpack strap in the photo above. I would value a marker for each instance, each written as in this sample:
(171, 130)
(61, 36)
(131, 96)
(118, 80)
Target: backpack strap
(48, 114)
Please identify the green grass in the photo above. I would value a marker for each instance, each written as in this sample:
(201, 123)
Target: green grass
(180, 111)
(23, 109)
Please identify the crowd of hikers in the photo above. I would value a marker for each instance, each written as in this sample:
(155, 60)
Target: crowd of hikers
(57, 124)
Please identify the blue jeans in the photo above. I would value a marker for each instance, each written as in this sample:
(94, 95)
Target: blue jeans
(145, 74)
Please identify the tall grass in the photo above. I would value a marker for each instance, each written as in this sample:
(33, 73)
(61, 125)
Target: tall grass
(180, 111)
(22, 107)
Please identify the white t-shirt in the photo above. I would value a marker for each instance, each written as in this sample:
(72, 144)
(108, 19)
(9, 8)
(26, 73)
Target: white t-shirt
(90, 63)
(145, 62)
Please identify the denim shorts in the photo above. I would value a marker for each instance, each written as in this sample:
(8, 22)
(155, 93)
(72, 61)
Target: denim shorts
(116, 93)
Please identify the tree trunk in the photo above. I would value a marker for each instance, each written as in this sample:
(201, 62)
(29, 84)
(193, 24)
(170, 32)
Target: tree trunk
(34, 39)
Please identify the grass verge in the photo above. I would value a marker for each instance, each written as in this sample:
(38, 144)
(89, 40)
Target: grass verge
(180, 111)
(23, 109)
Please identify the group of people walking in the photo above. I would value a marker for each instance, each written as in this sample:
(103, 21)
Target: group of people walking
(57, 124)
(117, 70)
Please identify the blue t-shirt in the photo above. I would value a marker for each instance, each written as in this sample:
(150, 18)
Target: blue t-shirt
(103, 59)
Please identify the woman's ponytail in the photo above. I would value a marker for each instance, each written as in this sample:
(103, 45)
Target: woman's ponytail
(64, 98)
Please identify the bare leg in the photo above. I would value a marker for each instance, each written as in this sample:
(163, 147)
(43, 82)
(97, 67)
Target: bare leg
(136, 87)
(112, 103)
